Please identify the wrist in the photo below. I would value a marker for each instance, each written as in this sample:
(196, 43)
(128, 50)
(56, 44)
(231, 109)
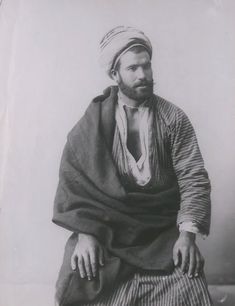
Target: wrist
(82, 235)
(85, 236)
(188, 235)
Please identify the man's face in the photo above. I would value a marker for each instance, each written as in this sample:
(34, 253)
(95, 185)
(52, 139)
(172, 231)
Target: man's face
(134, 75)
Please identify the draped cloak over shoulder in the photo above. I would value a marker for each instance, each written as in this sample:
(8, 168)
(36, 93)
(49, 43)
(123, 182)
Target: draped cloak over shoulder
(138, 229)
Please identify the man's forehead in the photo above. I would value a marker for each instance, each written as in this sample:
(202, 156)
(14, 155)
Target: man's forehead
(133, 58)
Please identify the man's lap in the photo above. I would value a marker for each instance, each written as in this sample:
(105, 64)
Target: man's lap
(146, 289)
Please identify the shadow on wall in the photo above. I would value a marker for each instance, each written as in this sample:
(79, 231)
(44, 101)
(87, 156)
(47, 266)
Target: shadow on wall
(223, 295)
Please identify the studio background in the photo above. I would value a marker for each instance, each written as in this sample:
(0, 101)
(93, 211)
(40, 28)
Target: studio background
(49, 72)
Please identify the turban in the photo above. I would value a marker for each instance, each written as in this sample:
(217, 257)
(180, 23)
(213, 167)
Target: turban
(117, 42)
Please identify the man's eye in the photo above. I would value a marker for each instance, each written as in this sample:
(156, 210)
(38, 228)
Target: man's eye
(132, 68)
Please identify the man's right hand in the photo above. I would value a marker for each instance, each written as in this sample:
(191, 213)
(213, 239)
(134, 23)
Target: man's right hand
(87, 256)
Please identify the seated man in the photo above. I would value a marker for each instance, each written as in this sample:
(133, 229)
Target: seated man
(134, 191)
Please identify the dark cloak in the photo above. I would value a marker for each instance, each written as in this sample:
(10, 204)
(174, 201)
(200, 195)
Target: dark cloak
(137, 229)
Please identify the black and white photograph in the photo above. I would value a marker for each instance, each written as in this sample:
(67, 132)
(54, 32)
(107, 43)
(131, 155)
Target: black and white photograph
(117, 121)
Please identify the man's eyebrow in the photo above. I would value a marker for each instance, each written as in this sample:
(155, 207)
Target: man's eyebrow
(133, 65)
(139, 65)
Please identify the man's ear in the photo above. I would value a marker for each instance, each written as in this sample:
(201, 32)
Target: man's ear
(114, 74)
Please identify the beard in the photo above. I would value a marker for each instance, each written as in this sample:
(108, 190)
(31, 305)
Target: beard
(139, 92)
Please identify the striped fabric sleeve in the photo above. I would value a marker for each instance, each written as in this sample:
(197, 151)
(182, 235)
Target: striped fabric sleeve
(193, 181)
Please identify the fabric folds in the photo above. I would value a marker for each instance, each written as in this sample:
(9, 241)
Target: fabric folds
(137, 229)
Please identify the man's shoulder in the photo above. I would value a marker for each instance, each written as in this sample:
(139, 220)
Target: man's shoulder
(109, 93)
(91, 116)
(168, 111)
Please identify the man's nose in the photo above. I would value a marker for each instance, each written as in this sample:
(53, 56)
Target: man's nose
(141, 73)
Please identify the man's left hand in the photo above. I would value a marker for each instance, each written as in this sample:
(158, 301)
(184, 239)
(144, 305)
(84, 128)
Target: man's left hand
(187, 255)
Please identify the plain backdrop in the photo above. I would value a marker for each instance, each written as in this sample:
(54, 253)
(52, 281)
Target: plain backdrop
(49, 72)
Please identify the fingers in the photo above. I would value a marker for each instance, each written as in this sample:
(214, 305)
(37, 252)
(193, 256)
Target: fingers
(96, 257)
(184, 259)
(176, 256)
(81, 267)
(192, 263)
(187, 255)
(74, 262)
(78, 262)
(88, 263)
(87, 256)
(199, 264)
(93, 263)
(101, 256)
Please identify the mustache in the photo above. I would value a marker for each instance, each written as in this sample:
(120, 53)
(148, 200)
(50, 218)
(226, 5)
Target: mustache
(144, 83)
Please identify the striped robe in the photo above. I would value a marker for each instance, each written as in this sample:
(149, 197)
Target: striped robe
(154, 290)
(176, 161)
(174, 155)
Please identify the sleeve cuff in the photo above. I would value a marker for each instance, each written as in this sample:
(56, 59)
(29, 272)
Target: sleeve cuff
(191, 227)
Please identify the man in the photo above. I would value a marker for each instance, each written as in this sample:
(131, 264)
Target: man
(133, 190)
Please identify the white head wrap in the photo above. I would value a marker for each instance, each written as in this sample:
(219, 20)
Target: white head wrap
(117, 42)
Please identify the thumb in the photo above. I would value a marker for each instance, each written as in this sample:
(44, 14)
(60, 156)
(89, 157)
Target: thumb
(101, 256)
(73, 262)
(176, 256)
